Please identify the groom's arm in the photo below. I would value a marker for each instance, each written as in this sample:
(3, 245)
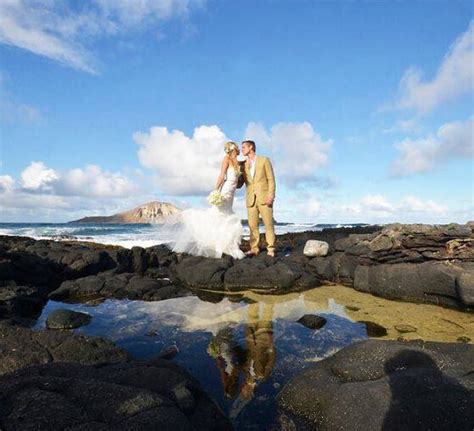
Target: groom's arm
(242, 178)
(271, 182)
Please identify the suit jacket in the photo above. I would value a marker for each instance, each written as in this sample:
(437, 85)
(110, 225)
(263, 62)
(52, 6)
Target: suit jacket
(262, 184)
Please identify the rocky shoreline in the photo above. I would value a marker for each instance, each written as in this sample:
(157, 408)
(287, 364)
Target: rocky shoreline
(418, 263)
(415, 263)
(58, 380)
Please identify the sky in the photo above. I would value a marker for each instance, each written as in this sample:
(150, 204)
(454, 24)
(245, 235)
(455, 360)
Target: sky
(365, 108)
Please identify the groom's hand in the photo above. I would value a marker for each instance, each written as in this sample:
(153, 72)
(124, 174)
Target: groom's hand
(269, 201)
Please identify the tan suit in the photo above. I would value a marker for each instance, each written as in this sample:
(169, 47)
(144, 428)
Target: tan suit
(259, 188)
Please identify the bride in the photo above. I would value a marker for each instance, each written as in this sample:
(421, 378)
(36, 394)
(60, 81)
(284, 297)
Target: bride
(214, 231)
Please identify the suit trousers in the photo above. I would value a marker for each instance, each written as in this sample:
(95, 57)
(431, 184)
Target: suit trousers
(267, 216)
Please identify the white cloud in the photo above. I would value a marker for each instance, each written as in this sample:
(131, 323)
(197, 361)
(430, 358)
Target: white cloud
(57, 31)
(454, 78)
(414, 204)
(452, 140)
(35, 27)
(371, 208)
(182, 165)
(43, 193)
(21, 200)
(375, 203)
(132, 12)
(38, 177)
(189, 165)
(313, 207)
(6, 183)
(297, 150)
(93, 181)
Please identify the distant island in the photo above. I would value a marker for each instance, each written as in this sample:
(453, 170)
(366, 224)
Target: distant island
(151, 212)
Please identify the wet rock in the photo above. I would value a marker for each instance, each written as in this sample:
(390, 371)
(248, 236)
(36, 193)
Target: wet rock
(151, 334)
(315, 248)
(212, 297)
(81, 288)
(429, 282)
(465, 283)
(338, 267)
(160, 256)
(420, 263)
(345, 267)
(405, 328)
(386, 385)
(184, 398)
(261, 273)
(169, 352)
(312, 321)
(82, 263)
(139, 260)
(120, 286)
(28, 269)
(123, 396)
(67, 319)
(323, 267)
(21, 347)
(202, 272)
(374, 329)
(22, 301)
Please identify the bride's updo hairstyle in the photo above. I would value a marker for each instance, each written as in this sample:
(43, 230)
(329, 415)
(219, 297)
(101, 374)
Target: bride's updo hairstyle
(231, 149)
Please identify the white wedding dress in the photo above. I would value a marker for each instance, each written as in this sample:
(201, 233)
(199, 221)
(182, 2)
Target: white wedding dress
(214, 231)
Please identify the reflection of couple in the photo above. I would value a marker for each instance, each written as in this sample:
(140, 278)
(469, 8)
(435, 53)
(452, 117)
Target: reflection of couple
(255, 361)
(215, 231)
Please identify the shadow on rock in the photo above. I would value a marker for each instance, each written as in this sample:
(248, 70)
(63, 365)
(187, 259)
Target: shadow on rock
(424, 398)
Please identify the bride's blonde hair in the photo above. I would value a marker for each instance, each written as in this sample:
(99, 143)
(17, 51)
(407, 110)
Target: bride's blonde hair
(231, 149)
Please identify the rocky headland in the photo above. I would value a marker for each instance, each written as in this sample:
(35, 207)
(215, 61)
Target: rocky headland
(82, 382)
(151, 212)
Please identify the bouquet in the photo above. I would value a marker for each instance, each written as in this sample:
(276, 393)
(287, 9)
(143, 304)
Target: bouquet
(215, 198)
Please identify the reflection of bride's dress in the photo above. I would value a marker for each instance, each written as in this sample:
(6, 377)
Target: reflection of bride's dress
(213, 231)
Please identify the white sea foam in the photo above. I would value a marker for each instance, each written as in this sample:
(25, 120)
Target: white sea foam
(125, 235)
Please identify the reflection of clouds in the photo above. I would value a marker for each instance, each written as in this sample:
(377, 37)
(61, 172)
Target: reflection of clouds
(190, 314)
(127, 318)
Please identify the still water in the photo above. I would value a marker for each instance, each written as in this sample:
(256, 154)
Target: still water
(244, 348)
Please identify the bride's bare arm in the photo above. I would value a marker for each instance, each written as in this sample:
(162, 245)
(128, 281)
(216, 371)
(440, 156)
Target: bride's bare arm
(221, 177)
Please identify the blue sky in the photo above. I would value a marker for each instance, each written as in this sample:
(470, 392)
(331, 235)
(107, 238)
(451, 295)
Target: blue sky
(365, 108)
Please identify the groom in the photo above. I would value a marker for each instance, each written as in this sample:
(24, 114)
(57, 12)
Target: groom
(260, 182)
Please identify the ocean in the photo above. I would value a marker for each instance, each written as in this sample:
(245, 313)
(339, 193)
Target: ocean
(128, 235)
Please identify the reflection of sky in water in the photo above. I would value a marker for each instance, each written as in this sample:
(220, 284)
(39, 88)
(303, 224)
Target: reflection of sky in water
(191, 324)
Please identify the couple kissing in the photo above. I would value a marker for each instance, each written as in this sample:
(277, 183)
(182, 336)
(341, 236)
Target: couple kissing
(217, 230)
